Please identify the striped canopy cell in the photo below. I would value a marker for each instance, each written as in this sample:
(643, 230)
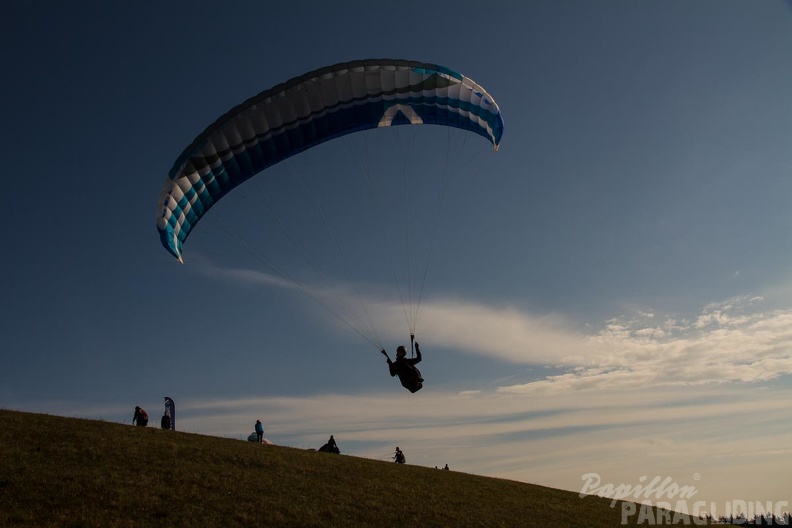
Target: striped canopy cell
(306, 111)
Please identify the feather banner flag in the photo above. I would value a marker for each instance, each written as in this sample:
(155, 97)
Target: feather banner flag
(170, 408)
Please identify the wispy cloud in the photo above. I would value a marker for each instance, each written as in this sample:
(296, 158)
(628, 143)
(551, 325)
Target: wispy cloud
(733, 341)
(728, 342)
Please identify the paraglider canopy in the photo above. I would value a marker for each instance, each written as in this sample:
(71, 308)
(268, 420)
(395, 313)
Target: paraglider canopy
(306, 111)
(342, 100)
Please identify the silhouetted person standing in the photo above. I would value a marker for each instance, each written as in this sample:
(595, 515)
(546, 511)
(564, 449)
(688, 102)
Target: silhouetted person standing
(259, 432)
(165, 422)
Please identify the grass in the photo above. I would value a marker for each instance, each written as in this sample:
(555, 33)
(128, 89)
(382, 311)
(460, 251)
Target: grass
(68, 472)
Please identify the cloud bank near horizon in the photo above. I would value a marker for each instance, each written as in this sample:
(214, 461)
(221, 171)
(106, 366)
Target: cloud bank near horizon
(550, 438)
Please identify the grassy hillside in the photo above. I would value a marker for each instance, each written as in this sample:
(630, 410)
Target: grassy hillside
(68, 472)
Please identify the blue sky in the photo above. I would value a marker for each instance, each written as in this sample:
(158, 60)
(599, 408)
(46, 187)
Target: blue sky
(611, 292)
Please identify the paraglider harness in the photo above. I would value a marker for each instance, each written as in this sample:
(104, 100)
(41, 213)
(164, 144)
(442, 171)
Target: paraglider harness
(409, 375)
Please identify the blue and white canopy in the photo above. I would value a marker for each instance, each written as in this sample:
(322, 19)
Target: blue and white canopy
(306, 111)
